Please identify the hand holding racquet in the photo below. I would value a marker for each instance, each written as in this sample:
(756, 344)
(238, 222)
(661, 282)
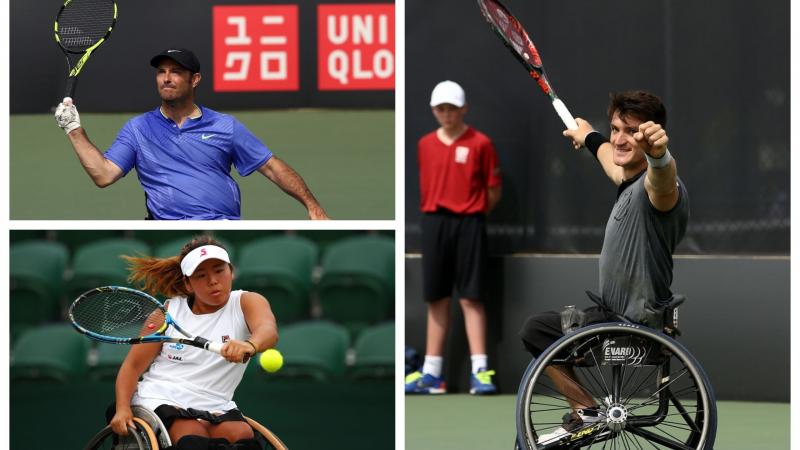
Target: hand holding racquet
(81, 26)
(514, 36)
(120, 315)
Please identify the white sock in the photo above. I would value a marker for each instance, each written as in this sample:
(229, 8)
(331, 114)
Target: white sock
(433, 365)
(479, 362)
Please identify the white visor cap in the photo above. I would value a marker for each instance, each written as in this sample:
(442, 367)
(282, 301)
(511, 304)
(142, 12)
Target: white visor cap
(200, 254)
(448, 92)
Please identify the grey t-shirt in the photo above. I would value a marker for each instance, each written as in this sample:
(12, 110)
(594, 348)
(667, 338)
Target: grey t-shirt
(636, 260)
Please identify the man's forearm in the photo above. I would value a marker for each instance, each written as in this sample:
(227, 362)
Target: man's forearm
(292, 183)
(92, 160)
(662, 179)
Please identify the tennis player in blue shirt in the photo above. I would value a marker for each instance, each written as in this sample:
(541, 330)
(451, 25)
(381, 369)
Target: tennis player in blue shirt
(183, 152)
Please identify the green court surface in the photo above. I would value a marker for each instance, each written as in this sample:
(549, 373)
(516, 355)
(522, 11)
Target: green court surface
(453, 421)
(346, 157)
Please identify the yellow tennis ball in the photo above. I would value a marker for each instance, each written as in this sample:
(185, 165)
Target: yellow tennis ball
(271, 360)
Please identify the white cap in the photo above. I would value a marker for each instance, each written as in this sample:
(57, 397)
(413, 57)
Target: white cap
(200, 254)
(448, 92)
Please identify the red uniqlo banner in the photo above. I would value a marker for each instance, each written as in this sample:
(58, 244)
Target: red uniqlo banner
(355, 46)
(256, 48)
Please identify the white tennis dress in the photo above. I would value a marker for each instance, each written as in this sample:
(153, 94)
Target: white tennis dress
(190, 377)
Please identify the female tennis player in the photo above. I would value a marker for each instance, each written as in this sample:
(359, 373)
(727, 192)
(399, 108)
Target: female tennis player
(191, 389)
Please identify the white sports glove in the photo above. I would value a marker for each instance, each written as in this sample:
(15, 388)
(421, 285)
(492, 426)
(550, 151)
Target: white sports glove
(67, 116)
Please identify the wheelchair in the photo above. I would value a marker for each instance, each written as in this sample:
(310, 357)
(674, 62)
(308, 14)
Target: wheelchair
(649, 391)
(151, 434)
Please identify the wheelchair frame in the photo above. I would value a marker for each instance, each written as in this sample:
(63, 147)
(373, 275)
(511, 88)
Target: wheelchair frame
(617, 420)
(151, 434)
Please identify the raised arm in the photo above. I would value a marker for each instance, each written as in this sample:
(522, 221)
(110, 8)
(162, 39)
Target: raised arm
(287, 179)
(102, 171)
(661, 182)
(604, 149)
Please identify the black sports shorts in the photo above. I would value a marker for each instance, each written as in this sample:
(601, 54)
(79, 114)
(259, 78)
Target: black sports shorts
(168, 414)
(453, 254)
(542, 329)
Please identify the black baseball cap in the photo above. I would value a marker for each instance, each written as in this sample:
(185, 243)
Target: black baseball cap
(181, 56)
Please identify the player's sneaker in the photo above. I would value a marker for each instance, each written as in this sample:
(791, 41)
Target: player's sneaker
(481, 383)
(419, 383)
(572, 423)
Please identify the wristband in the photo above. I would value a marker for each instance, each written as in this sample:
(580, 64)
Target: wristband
(255, 350)
(658, 163)
(593, 141)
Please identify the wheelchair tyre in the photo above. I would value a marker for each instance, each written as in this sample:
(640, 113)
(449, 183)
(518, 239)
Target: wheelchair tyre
(266, 437)
(649, 391)
(106, 439)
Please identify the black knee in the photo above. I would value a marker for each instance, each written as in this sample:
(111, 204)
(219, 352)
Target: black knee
(539, 331)
(194, 442)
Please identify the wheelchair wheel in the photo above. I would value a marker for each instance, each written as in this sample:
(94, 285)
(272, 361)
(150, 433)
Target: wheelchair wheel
(265, 437)
(646, 391)
(106, 439)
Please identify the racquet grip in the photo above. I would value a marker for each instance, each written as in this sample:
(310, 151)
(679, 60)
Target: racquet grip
(215, 347)
(72, 82)
(564, 114)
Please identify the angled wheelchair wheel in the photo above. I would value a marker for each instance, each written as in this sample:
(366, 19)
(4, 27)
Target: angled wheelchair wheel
(106, 439)
(643, 389)
(267, 438)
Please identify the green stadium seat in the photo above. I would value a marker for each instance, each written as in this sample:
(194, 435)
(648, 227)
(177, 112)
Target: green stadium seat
(313, 349)
(53, 352)
(325, 238)
(74, 239)
(374, 352)
(357, 284)
(27, 235)
(100, 264)
(280, 268)
(155, 238)
(174, 247)
(109, 358)
(36, 278)
(240, 238)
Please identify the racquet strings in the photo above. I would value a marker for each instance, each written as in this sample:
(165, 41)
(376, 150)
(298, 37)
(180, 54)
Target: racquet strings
(511, 31)
(82, 23)
(118, 314)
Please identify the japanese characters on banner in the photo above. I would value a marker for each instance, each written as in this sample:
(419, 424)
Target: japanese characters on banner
(355, 46)
(256, 47)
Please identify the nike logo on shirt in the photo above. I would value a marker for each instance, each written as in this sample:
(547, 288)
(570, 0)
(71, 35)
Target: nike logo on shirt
(206, 136)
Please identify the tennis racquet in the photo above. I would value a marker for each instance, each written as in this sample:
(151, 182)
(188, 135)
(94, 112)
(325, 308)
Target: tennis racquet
(81, 26)
(120, 315)
(514, 36)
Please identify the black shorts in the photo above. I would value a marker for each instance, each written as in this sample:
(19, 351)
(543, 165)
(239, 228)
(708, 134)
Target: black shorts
(453, 254)
(541, 330)
(168, 414)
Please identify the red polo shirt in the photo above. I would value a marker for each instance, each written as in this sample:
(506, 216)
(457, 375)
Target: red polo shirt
(455, 177)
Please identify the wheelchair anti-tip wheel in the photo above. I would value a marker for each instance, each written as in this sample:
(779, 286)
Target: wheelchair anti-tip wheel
(646, 390)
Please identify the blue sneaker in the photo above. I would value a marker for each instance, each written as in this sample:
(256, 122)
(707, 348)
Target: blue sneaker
(481, 383)
(419, 383)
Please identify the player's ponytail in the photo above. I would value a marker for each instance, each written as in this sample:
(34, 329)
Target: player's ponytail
(156, 275)
(163, 275)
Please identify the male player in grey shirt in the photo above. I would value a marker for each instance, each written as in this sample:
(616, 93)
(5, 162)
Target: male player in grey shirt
(647, 222)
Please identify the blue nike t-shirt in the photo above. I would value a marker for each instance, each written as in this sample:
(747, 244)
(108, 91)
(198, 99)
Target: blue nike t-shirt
(185, 172)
